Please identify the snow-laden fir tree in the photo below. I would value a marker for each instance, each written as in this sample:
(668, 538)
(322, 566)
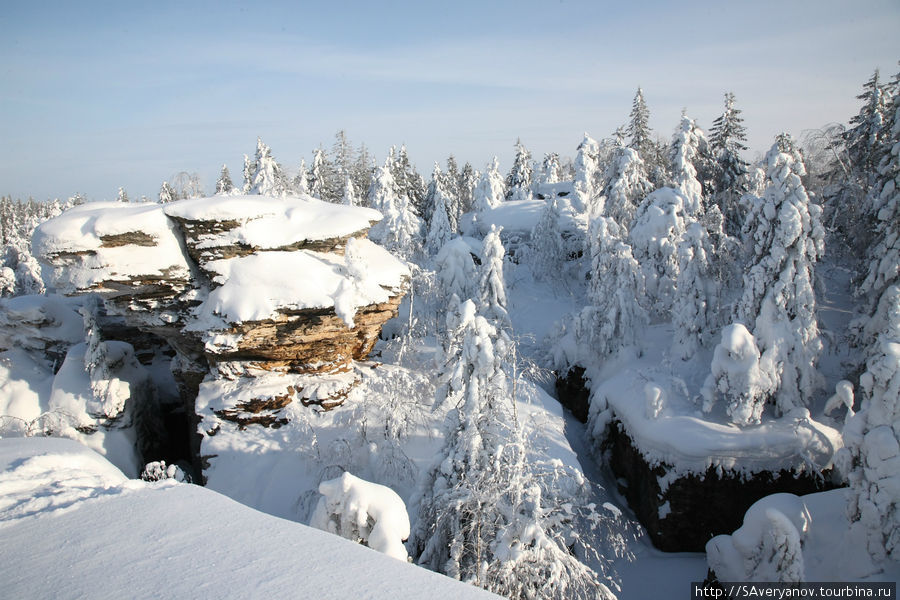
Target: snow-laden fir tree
(300, 184)
(737, 378)
(865, 138)
(363, 169)
(483, 517)
(491, 283)
(727, 137)
(550, 168)
(268, 177)
(122, 195)
(519, 180)
(615, 313)
(439, 229)
(690, 154)
(455, 270)
(785, 239)
(320, 176)
(21, 272)
(871, 450)
(858, 153)
(548, 248)
(166, 193)
(400, 230)
(655, 236)
(409, 182)
(587, 170)
(224, 185)
(248, 174)
(626, 185)
(490, 190)
(468, 180)
(883, 254)
(451, 183)
(696, 297)
(342, 159)
(349, 196)
(638, 130)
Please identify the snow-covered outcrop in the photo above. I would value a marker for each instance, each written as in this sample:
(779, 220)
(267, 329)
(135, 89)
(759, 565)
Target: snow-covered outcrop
(280, 295)
(287, 284)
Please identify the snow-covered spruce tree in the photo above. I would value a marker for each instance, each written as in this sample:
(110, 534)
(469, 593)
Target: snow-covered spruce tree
(409, 182)
(468, 179)
(362, 170)
(587, 169)
(122, 195)
(247, 174)
(638, 130)
(785, 238)
(439, 229)
(550, 168)
(726, 139)
(451, 182)
(400, 230)
(166, 193)
(737, 378)
(300, 185)
(615, 313)
(349, 195)
(872, 438)
(696, 293)
(490, 190)
(690, 157)
(855, 173)
(268, 178)
(518, 182)
(482, 517)
(548, 248)
(341, 159)
(320, 178)
(455, 270)
(883, 255)
(655, 235)
(224, 185)
(626, 185)
(21, 272)
(491, 282)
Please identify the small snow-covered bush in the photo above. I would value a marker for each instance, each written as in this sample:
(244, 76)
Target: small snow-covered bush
(368, 513)
(737, 377)
(768, 545)
(159, 470)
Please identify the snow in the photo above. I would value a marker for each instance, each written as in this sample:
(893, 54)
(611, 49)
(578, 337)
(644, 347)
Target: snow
(269, 223)
(374, 513)
(682, 437)
(81, 529)
(81, 229)
(831, 549)
(514, 216)
(260, 286)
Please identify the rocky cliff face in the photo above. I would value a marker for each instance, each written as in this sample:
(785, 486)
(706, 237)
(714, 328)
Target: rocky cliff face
(683, 512)
(238, 286)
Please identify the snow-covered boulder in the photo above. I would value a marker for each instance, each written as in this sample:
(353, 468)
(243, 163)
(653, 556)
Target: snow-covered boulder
(363, 511)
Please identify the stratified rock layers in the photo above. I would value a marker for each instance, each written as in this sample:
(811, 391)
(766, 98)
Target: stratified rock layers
(237, 285)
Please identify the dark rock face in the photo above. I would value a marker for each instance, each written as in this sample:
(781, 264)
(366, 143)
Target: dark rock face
(693, 509)
(573, 393)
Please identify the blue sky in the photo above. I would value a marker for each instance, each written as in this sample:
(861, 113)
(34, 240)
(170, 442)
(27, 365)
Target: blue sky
(100, 95)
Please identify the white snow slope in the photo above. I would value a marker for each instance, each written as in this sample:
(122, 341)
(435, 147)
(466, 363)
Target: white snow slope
(72, 526)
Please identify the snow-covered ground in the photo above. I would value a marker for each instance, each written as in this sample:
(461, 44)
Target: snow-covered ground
(73, 526)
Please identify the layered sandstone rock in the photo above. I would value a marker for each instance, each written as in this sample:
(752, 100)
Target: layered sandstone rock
(237, 285)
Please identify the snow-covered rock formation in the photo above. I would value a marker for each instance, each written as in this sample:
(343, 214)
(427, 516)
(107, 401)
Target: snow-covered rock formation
(241, 287)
